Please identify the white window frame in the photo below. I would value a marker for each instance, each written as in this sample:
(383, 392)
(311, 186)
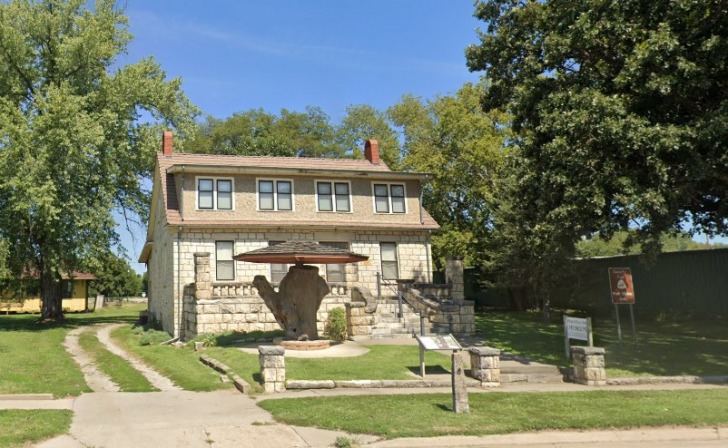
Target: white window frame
(396, 258)
(283, 266)
(334, 208)
(217, 261)
(275, 194)
(214, 180)
(341, 265)
(390, 210)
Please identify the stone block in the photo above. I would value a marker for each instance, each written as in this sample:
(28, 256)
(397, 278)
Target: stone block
(271, 350)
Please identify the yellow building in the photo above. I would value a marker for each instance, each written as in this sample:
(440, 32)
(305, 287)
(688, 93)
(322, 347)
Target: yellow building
(74, 289)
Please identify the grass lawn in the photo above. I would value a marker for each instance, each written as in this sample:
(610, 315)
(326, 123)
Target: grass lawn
(394, 416)
(32, 357)
(662, 349)
(181, 365)
(120, 371)
(20, 427)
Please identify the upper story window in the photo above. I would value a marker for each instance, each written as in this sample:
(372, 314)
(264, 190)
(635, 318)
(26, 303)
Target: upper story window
(275, 194)
(333, 196)
(389, 198)
(214, 194)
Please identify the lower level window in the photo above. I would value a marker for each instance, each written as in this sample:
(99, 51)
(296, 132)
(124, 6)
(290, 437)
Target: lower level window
(390, 268)
(225, 265)
(277, 270)
(336, 272)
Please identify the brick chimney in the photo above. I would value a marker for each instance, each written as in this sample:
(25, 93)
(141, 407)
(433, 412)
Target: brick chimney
(371, 151)
(167, 143)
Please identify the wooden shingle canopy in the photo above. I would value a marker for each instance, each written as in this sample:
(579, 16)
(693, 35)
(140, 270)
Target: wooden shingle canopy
(300, 252)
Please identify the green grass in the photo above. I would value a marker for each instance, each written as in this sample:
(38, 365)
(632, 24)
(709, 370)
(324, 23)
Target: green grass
(21, 427)
(32, 357)
(120, 371)
(181, 365)
(662, 349)
(431, 415)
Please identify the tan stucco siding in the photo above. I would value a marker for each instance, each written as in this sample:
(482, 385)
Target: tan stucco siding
(245, 201)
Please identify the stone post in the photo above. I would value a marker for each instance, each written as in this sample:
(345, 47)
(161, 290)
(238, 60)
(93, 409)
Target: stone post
(272, 368)
(455, 277)
(589, 365)
(203, 281)
(460, 403)
(485, 365)
(358, 321)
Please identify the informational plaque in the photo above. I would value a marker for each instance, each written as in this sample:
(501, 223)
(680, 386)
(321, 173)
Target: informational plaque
(444, 342)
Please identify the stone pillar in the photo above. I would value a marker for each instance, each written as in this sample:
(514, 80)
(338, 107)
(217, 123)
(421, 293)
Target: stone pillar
(203, 281)
(460, 403)
(485, 365)
(455, 277)
(589, 365)
(358, 321)
(272, 368)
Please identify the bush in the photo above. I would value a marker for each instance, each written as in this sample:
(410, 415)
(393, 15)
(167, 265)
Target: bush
(336, 325)
(207, 339)
(153, 337)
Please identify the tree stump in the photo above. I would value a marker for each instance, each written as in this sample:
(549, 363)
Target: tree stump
(297, 301)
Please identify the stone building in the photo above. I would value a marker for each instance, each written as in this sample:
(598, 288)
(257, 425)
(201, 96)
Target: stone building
(208, 208)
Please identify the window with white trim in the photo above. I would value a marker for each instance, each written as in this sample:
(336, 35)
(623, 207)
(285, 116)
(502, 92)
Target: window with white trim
(224, 263)
(333, 196)
(389, 198)
(275, 194)
(277, 270)
(214, 194)
(336, 272)
(388, 256)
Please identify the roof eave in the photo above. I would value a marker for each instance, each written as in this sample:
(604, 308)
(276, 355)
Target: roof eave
(219, 169)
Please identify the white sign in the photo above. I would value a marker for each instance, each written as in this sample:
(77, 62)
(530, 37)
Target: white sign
(576, 328)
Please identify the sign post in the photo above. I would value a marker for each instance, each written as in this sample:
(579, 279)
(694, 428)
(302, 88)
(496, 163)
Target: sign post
(622, 293)
(577, 328)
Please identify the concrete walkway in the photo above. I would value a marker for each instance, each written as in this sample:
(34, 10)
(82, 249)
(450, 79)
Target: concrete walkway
(176, 418)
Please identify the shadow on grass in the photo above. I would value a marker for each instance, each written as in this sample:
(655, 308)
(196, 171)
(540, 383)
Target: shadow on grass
(662, 349)
(429, 370)
(30, 323)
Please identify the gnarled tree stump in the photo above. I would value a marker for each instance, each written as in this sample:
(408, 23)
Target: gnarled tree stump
(297, 301)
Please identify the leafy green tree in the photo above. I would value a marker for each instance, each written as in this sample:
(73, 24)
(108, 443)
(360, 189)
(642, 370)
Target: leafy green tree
(465, 150)
(363, 122)
(258, 133)
(72, 145)
(115, 278)
(617, 245)
(620, 113)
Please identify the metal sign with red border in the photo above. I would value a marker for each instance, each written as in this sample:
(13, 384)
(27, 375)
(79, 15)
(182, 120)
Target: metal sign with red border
(621, 286)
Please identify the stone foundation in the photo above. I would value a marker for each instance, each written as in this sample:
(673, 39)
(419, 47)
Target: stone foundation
(589, 365)
(358, 321)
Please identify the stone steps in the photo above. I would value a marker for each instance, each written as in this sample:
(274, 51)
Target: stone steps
(519, 371)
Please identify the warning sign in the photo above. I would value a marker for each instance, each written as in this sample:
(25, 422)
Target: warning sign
(620, 283)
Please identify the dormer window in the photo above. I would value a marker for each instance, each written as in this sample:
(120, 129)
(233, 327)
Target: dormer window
(214, 194)
(275, 194)
(389, 198)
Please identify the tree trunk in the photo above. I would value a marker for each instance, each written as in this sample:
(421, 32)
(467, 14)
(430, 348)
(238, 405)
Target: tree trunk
(296, 304)
(50, 296)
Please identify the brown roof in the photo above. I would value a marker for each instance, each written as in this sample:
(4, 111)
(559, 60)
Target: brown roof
(300, 252)
(310, 163)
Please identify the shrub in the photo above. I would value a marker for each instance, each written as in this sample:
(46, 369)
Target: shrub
(336, 325)
(207, 339)
(153, 337)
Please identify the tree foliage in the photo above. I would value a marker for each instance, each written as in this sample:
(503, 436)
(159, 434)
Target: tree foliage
(115, 278)
(465, 150)
(258, 133)
(72, 145)
(620, 113)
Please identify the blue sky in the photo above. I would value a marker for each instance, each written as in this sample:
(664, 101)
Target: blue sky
(235, 55)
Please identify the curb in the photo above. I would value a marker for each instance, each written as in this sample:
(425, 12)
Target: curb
(24, 397)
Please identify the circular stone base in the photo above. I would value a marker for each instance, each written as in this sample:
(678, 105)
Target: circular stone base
(319, 344)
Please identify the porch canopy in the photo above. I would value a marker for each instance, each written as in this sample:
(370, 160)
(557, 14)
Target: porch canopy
(300, 252)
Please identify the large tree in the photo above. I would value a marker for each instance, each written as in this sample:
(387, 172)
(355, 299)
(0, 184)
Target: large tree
(620, 110)
(115, 278)
(72, 145)
(465, 150)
